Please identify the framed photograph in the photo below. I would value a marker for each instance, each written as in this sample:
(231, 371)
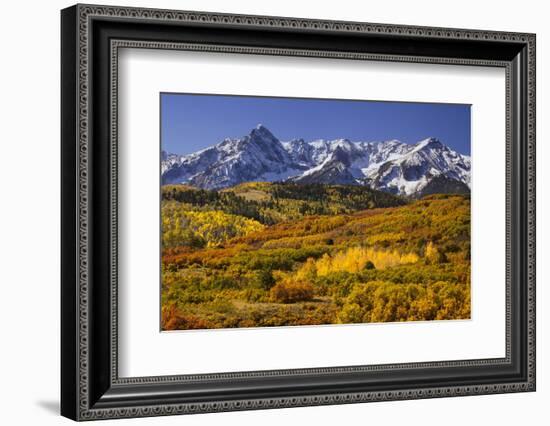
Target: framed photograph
(263, 212)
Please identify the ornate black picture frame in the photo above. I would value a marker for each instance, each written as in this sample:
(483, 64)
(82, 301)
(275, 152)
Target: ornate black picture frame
(91, 388)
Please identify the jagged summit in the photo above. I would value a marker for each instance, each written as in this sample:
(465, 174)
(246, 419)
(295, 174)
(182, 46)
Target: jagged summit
(390, 166)
(432, 143)
(261, 131)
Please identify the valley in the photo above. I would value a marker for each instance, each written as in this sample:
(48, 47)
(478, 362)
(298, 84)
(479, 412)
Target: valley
(262, 254)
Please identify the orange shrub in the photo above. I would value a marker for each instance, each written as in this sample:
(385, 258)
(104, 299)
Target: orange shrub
(291, 292)
(174, 319)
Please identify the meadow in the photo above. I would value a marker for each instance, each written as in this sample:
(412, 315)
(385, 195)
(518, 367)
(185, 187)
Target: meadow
(281, 254)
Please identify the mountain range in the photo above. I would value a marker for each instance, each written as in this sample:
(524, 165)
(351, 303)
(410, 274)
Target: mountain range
(426, 167)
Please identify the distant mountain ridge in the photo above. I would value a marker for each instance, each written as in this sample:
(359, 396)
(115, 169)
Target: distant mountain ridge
(392, 166)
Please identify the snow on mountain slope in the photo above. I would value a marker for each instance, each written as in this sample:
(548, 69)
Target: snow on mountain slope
(255, 157)
(410, 172)
(390, 166)
(334, 170)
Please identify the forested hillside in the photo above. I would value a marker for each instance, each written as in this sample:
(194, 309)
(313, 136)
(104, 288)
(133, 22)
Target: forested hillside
(273, 254)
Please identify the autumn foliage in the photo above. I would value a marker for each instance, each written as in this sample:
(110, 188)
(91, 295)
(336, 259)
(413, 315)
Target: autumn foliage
(292, 291)
(265, 254)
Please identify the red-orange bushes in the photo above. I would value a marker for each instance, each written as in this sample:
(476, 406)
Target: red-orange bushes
(200, 257)
(292, 291)
(174, 319)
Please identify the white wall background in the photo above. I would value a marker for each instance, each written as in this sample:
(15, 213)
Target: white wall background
(29, 213)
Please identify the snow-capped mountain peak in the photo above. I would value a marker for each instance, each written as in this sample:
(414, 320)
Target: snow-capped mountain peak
(262, 131)
(429, 143)
(390, 166)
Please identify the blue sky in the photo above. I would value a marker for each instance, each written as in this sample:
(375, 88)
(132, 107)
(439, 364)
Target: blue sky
(190, 122)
